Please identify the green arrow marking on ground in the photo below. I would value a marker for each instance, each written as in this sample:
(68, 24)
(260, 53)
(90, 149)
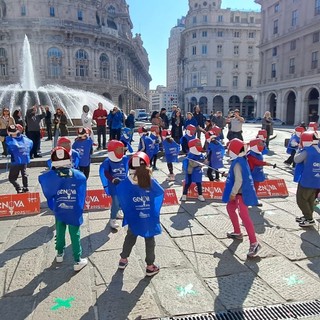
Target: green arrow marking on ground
(62, 303)
(187, 290)
(293, 280)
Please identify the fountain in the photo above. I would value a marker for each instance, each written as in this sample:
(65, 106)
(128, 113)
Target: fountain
(25, 94)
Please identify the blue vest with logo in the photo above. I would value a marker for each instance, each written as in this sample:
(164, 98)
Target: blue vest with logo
(216, 151)
(257, 172)
(290, 148)
(149, 147)
(310, 176)
(196, 175)
(156, 143)
(19, 149)
(84, 147)
(141, 207)
(171, 150)
(248, 191)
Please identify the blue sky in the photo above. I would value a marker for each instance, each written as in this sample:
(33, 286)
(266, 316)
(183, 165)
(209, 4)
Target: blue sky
(154, 20)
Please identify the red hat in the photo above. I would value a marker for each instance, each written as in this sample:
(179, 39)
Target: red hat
(262, 134)
(313, 126)
(192, 129)
(64, 142)
(115, 150)
(216, 131)
(308, 138)
(236, 147)
(209, 135)
(257, 145)
(60, 157)
(195, 143)
(142, 130)
(299, 129)
(166, 133)
(138, 159)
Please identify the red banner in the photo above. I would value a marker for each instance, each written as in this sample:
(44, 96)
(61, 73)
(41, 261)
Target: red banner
(213, 189)
(19, 204)
(98, 199)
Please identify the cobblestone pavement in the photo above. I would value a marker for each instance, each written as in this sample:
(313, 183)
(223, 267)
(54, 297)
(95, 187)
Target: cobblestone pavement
(201, 270)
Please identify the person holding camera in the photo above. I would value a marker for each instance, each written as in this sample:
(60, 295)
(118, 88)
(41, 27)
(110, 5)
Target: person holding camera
(115, 123)
(33, 119)
(235, 122)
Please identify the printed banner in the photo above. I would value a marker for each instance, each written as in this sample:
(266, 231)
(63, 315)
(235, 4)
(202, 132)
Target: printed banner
(98, 199)
(267, 189)
(19, 204)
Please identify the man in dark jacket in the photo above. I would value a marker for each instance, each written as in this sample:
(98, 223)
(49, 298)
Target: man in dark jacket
(48, 122)
(164, 117)
(198, 115)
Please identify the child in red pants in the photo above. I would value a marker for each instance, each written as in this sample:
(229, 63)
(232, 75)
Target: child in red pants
(239, 193)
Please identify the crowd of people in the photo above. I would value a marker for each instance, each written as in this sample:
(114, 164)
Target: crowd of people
(129, 181)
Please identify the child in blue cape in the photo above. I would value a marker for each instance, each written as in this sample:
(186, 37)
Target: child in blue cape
(113, 170)
(146, 144)
(140, 197)
(155, 136)
(215, 153)
(293, 145)
(84, 145)
(193, 168)
(189, 135)
(126, 138)
(65, 190)
(171, 152)
(19, 147)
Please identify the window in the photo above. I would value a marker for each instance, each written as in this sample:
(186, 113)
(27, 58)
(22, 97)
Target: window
(52, 12)
(220, 34)
(235, 65)
(251, 19)
(23, 10)
(293, 45)
(251, 35)
(194, 35)
(104, 66)
(219, 48)
(237, 19)
(317, 7)
(249, 81)
(276, 7)
(220, 18)
(80, 15)
(54, 62)
(250, 49)
(294, 18)
(314, 60)
(235, 81)
(274, 51)
(194, 50)
(275, 26)
(219, 64)
(119, 70)
(204, 49)
(112, 10)
(3, 63)
(218, 81)
(204, 34)
(236, 34)
(82, 63)
(273, 70)
(194, 79)
(291, 66)
(194, 20)
(236, 50)
(315, 37)
(205, 19)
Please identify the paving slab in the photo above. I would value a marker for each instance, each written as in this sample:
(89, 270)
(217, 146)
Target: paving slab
(16, 308)
(172, 209)
(5, 228)
(311, 266)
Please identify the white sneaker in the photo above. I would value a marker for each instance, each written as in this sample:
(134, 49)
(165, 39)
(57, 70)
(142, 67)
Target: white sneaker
(80, 264)
(59, 257)
(171, 177)
(120, 215)
(114, 224)
(201, 198)
(183, 198)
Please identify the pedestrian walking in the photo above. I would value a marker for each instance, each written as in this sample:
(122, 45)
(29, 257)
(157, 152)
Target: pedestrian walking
(65, 190)
(239, 193)
(18, 147)
(140, 197)
(113, 170)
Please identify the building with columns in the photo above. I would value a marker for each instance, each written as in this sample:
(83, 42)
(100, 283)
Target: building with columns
(289, 72)
(80, 44)
(219, 60)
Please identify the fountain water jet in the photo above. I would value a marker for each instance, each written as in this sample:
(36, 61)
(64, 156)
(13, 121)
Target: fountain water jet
(26, 93)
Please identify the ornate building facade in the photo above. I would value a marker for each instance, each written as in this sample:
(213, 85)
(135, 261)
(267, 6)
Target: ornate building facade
(85, 44)
(219, 61)
(289, 67)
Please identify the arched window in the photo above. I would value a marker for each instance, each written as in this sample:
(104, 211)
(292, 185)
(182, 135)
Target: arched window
(3, 9)
(104, 66)
(54, 62)
(119, 70)
(3, 63)
(23, 10)
(82, 63)
(111, 10)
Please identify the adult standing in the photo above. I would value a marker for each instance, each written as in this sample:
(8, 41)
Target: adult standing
(236, 122)
(48, 122)
(33, 119)
(60, 125)
(314, 117)
(198, 115)
(5, 121)
(267, 124)
(219, 121)
(177, 126)
(130, 123)
(164, 117)
(115, 118)
(100, 117)
(156, 120)
(18, 119)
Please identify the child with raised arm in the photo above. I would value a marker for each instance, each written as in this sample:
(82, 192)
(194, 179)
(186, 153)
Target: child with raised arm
(140, 197)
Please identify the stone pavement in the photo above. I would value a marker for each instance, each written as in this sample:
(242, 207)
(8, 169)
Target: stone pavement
(201, 270)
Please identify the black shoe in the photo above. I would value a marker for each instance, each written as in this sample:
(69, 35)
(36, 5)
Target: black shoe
(25, 189)
(19, 190)
(259, 204)
(300, 219)
(38, 156)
